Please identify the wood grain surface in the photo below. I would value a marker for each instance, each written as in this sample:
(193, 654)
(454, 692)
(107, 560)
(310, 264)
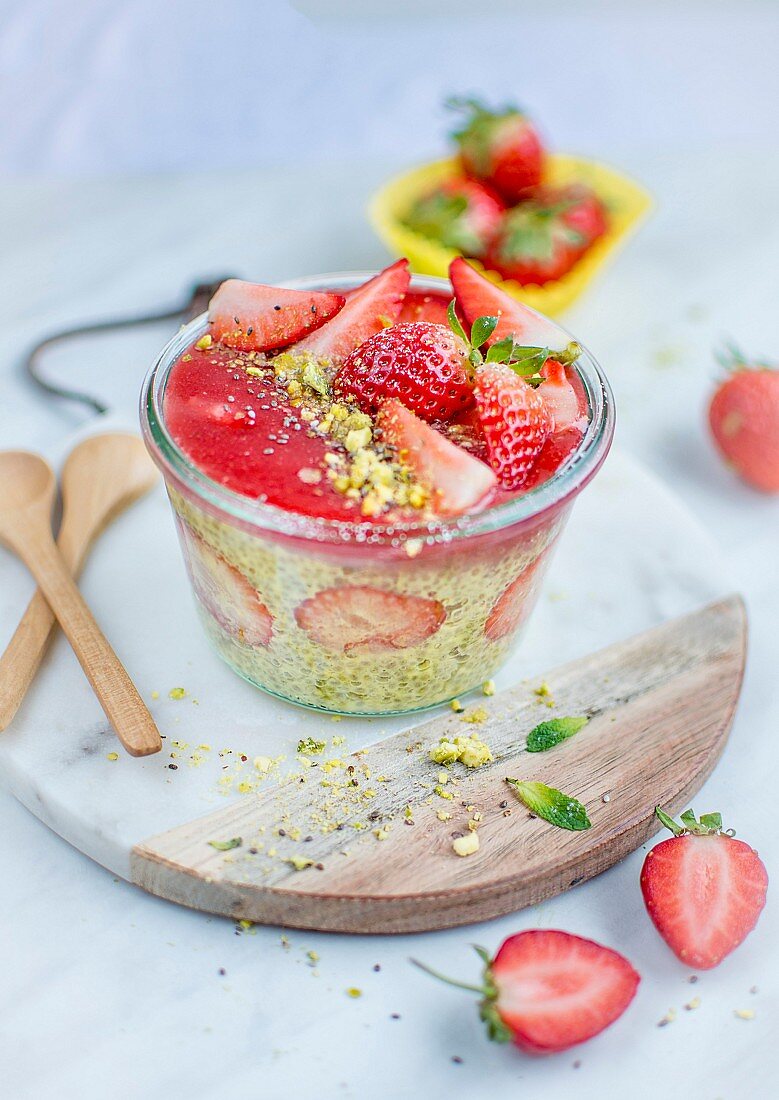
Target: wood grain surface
(660, 707)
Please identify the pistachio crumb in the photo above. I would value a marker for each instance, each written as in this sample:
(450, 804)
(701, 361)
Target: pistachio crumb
(744, 1013)
(204, 342)
(177, 693)
(488, 687)
(466, 845)
(112, 756)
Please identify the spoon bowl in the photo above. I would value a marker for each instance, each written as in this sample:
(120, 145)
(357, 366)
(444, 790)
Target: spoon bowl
(26, 482)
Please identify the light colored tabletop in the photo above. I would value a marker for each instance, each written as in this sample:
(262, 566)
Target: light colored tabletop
(108, 992)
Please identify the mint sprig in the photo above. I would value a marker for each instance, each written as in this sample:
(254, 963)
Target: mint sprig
(552, 805)
(548, 734)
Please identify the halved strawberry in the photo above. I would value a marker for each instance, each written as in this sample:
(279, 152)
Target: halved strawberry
(478, 297)
(514, 603)
(362, 619)
(425, 364)
(225, 592)
(514, 420)
(703, 890)
(373, 306)
(457, 481)
(546, 990)
(559, 396)
(253, 317)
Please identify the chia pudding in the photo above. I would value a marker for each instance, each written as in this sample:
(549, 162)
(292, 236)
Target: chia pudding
(368, 477)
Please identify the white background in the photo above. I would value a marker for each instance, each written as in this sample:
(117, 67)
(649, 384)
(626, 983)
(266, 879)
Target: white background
(103, 108)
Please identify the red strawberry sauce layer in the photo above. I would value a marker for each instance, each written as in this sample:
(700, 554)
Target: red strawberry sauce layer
(242, 431)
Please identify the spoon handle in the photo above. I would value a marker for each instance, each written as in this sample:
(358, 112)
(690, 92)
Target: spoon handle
(115, 690)
(23, 654)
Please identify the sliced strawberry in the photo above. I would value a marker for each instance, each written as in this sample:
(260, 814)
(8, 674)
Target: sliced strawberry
(424, 363)
(514, 604)
(555, 451)
(368, 310)
(703, 890)
(478, 297)
(514, 420)
(418, 306)
(361, 619)
(253, 317)
(546, 991)
(554, 990)
(225, 592)
(457, 481)
(559, 397)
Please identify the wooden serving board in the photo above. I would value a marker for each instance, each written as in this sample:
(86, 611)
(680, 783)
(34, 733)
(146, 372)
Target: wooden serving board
(660, 707)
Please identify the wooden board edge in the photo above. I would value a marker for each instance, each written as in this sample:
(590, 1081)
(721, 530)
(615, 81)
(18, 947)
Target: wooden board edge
(401, 914)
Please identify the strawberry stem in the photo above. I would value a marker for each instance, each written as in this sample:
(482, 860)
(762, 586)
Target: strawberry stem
(480, 989)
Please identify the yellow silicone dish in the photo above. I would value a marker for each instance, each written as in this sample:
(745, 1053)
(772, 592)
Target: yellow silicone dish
(627, 204)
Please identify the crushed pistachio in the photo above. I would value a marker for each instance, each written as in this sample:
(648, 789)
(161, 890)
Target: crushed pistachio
(457, 706)
(544, 694)
(354, 992)
(439, 790)
(204, 342)
(313, 956)
(443, 815)
(155, 695)
(744, 1013)
(693, 1004)
(381, 833)
(307, 746)
(470, 751)
(299, 862)
(112, 756)
(488, 687)
(177, 693)
(476, 717)
(466, 845)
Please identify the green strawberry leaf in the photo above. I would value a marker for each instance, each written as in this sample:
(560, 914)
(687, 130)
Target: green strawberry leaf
(482, 329)
(497, 1031)
(548, 734)
(708, 823)
(226, 845)
(454, 323)
(552, 805)
(712, 821)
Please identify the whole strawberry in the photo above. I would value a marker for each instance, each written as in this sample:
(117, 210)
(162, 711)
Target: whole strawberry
(502, 148)
(546, 991)
(744, 420)
(542, 239)
(424, 364)
(461, 213)
(703, 889)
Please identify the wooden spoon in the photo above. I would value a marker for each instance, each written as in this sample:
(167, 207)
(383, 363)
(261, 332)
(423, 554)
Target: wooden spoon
(27, 489)
(102, 476)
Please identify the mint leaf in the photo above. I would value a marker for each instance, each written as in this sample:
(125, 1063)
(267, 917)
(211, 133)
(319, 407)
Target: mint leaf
(226, 845)
(482, 329)
(554, 806)
(548, 734)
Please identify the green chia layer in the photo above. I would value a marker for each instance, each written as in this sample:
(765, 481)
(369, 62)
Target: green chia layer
(457, 656)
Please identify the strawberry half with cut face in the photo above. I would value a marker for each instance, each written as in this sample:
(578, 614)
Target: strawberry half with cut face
(744, 420)
(559, 396)
(477, 296)
(514, 420)
(369, 309)
(455, 479)
(362, 619)
(424, 364)
(461, 213)
(703, 890)
(546, 990)
(500, 147)
(253, 317)
(542, 239)
(225, 592)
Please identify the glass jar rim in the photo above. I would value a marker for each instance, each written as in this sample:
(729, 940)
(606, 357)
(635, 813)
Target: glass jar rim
(177, 467)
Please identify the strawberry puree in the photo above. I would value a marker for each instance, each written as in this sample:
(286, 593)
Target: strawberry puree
(242, 431)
